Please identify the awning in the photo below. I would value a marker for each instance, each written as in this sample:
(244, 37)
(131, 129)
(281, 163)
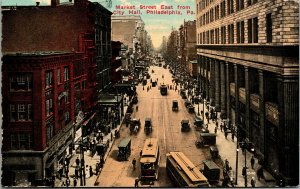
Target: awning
(106, 100)
(86, 121)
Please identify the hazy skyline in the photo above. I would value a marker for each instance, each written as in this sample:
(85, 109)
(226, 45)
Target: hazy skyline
(156, 25)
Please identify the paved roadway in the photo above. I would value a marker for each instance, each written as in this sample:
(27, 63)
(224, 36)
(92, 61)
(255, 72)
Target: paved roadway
(166, 127)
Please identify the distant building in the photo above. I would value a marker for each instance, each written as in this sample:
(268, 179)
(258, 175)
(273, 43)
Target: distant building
(38, 91)
(248, 55)
(124, 28)
(187, 42)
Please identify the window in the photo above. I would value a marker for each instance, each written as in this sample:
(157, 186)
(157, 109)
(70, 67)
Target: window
(253, 30)
(217, 36)
(230, 7)
(22, 142)
(239, 5)
(240, 32)
(49, 107)
(13, 142)
(212, 35)
(30, 141)
(49, 132)
(250, 31)
(251, 2)
(222, 9)
(13, 114)
(20, 82)
(223, 35)
(66, 73)
(58, 75)
(269, 27)
(217, 12)
(230, 34)
(21, 112)
(48, 79)
(67, 118)
(29, 112)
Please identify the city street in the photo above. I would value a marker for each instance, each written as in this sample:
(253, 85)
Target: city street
(166, 127)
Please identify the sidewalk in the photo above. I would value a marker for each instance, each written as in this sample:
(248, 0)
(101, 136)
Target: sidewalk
(89, 161)
(227, 150)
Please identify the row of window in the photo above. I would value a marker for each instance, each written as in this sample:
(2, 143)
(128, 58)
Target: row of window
(219, 11)
(21, 141)
(20, 112)
(212, 36)
(20, 82)
(49, 77)
(239, 4)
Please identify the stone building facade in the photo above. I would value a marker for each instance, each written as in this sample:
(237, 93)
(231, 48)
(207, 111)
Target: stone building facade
(248, 57)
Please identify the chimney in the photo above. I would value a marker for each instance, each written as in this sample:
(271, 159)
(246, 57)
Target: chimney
(37, 3)
(54, 3)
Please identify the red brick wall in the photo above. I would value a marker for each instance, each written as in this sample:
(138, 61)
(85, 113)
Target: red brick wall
(44, 29)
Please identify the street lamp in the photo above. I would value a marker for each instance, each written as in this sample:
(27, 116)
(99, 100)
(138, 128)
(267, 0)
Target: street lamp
(245, 144)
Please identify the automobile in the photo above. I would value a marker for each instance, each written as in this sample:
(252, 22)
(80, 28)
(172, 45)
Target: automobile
(174, 105)
(148, 125)
(135, 125)
(191, 109)
(207, 139)
(211, 171)
(185, 125)
(198, 123)
(163, 90)
(135, 100)
(187, 103)
(145, 82)
(124, 149)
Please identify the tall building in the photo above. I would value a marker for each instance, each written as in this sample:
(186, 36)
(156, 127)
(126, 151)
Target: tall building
(187, 42)
(248, 56)
(81, 27)
(129, 25)
(38, 92)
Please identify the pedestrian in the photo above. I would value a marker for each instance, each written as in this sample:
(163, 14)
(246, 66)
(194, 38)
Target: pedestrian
(111, 136)
(91, 171)
(143, 87)
(141, 152)
(77, 161)
(136, 183)
(76, 171)
(206, 125)
(232, 135)
(75, 182)
(82, 162)
(252, 161)
(68, 182)
(133, 163)
(226, 134)
(244, 171)
(216, 128)
(217, 124)
(221, 127)
(253, 182)
(260, 173)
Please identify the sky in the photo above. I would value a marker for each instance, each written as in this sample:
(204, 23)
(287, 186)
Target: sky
(156, 25)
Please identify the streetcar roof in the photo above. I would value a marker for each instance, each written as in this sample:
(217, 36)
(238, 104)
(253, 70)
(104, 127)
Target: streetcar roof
(150, 150)
(187, 167)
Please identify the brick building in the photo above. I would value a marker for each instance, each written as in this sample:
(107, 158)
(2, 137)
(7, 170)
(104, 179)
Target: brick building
(187, 42)
(116, 64)
(83, 27)
(248, 56)
(38, 92)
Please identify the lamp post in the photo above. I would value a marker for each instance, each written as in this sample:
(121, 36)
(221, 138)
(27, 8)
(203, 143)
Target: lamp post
(245, 144)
